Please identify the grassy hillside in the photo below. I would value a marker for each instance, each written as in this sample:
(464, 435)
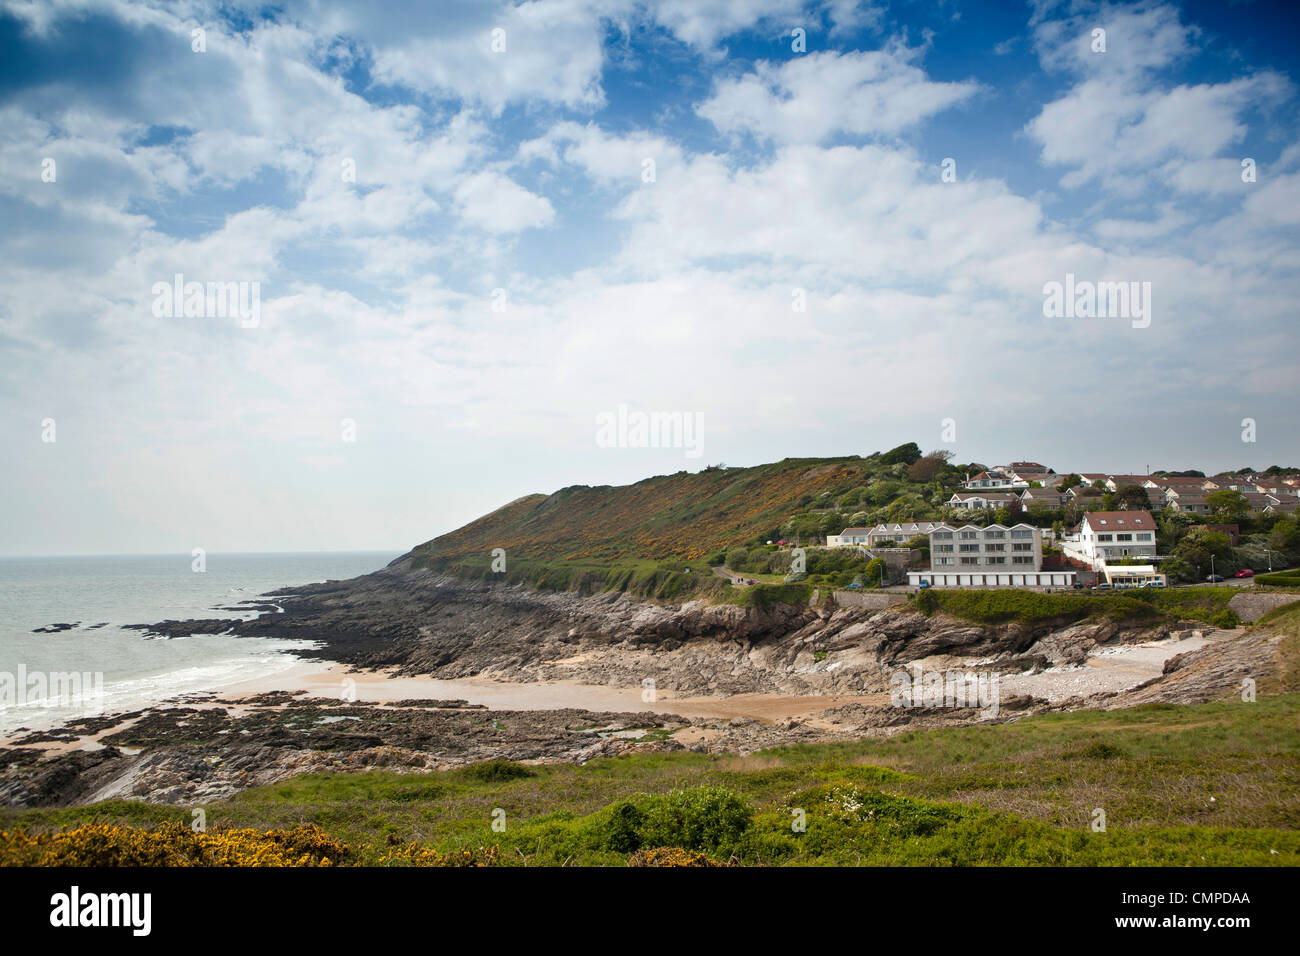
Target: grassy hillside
(1214, 784)
(680, 516)
(660, 537)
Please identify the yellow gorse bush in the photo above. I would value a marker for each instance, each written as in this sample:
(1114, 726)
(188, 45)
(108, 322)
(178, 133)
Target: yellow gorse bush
(415, 854)
(671, 856)
(104, 844)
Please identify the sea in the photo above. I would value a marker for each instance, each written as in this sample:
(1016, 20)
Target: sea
(98, 667)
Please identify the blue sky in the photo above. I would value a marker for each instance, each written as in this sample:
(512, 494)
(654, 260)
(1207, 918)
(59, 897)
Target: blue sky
(516, 176)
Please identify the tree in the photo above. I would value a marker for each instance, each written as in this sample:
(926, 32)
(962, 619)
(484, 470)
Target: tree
(929, 467)
(1132, 496)
(1228, 505)
(904, 454)
(1069, 481)
(1199, 544)
(919, 542)
(1285, 539)
(906, 507)
(1177, 569)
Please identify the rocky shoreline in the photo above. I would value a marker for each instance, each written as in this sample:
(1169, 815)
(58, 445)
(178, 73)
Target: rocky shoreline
(416, 623)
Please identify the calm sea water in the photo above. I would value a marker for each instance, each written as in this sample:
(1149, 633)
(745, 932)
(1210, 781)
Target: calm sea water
(127, 670)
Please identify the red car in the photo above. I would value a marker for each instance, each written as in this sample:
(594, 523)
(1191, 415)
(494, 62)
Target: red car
(1245, 573)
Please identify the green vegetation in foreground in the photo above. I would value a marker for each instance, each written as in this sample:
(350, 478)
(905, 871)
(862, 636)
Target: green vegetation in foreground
(1208, 605)
(1214, 784)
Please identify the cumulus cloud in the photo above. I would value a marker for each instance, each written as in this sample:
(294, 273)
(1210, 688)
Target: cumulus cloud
(811, 98)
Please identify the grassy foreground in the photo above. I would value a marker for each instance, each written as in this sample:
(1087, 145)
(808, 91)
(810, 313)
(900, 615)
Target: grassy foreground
(1215, 784)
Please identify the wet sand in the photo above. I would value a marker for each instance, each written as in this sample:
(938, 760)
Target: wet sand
(382, 686)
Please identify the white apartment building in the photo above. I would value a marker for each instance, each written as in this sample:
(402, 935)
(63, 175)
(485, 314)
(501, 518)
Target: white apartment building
(1108, 535)
(995, 556)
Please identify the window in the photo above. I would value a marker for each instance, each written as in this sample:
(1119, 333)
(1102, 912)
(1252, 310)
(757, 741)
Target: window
(997, 560)
(1022, 533)
(995, 534)
(970, 560)
(943, 548)
(969, 547)
(1022, 547)
(1105, 537)
(995, 547)
(943, 560)
(943, 536)
(970, 535)
(1123, 537)
(1020, 560)
(1145, 536)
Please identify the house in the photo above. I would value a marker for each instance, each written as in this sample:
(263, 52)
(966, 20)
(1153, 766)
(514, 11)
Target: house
(993, 481)
(1046, 496)
(848, 538)
(1106, 535)
(886, 535)
(995, 556)
(1116, 482)
(1164, 484)
(1284, 506)
(984, 500)
(1187, 502)
(1258, 502)
(1028, 470)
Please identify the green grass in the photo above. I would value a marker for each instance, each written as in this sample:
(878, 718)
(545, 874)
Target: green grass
(1289, 579)
(1213, 784)
(997, 606)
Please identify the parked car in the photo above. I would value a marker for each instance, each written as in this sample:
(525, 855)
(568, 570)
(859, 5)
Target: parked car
(1214, 578)
(924, 584)
(1103, 587)
(1154, 584)
(1245, 573)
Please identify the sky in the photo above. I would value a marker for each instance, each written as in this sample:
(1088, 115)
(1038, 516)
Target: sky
(479, 243)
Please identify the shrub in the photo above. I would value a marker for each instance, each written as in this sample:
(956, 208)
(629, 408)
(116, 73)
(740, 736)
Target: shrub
(173, 844)
(671, 856)
(496, 771)
(704, 818)
(1284, 580)
(416, 854)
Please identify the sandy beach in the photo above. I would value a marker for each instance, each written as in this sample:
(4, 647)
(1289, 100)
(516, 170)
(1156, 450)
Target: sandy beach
(377, 687)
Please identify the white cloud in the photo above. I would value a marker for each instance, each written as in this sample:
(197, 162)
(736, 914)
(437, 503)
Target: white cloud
(498, 204)
(810, 98)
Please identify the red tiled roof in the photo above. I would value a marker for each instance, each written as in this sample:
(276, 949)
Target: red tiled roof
(1110, 520)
